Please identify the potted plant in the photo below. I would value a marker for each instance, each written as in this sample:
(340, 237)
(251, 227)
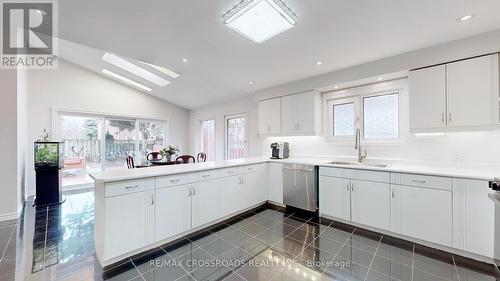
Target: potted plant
(168, 151)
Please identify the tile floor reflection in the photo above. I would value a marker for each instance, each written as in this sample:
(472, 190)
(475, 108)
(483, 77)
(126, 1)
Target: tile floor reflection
(56, 243)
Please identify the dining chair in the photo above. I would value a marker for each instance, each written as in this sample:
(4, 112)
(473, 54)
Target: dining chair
(130, 162)
(184, 159)
(202, 157)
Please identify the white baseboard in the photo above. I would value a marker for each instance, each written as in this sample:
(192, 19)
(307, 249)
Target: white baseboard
(9, 216)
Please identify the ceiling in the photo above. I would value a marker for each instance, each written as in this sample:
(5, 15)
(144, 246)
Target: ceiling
(340, 33)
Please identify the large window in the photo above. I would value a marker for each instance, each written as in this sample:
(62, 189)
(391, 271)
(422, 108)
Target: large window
(377, 116)
(236, 136)
(207, 138)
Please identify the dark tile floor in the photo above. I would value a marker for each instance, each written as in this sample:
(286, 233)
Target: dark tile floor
(56, 243)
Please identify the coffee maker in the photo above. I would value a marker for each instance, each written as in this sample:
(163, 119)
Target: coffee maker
(279, 150)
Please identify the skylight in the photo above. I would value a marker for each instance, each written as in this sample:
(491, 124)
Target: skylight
(134, 69)
(164, 70)
(260, 20)
(126, 80)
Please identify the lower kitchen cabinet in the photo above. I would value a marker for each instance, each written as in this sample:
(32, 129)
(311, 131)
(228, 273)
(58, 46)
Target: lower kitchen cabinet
(371, 203)
(426, 214)
(335, 197)
(230, 195)
(205, 202)
(172, 211)
(275, 182)
(126, 230)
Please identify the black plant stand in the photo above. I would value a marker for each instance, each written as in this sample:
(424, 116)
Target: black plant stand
(48, 181)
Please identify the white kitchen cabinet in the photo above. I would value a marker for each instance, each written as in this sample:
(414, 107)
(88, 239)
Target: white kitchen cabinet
(371, 203)
(230, 195)
(428, 98)
(205, 202)
(301, 113)
(125, 219)
(270, 116)
(472, 88)
(275, 182)
(426, 214)
(455, 96)
(335, 197)
(172, 211)
(473, 217)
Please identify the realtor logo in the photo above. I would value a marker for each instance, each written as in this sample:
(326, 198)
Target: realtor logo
(28, 35)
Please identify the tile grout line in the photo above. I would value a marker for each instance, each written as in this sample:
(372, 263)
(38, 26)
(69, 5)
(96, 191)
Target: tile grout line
(373, 258)
(46, 234)
(455, 267)
(413, 262)
(140, 274)
(343, 245)
(8, 242)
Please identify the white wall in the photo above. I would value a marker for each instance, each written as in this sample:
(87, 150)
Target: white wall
(71, 87)
(218, 112)
(9, 201)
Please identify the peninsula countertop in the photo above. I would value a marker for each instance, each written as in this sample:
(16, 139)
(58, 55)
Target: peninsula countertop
(446, 171)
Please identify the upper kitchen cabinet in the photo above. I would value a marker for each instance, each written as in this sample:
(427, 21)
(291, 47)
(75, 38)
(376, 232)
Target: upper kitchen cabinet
(441, 97)
(301, 114)
(270, 117)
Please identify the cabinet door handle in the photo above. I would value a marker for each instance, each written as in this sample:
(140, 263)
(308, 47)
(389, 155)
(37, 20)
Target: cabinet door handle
(131, 187)
(348, 186)
(442, 117)
(190, 191)
(194, 191)
(392, 193)
(352, 187)
(449, 116)
(175, 180)
(205, 176)
(230, 172)
(152, 199)
(419, 181)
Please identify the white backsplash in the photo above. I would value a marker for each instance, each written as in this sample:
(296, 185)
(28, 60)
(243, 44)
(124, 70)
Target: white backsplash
(457, 149)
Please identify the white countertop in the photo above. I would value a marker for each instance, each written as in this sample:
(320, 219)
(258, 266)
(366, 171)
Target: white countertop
(447, 171)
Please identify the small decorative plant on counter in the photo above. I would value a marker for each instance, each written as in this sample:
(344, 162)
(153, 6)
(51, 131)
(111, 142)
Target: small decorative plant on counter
(169, 151)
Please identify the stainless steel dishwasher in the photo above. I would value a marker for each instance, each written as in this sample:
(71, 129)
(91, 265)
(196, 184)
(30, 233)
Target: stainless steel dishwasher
(300, 187)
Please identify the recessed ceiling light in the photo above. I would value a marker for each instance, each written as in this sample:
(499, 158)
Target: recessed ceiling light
(380, 78)
(164, 70)
(134, 69)
(184, 60)
(260, 20)
(250, 82)
(465, 18)
(126, 80)
(336, 87)
(319, 63)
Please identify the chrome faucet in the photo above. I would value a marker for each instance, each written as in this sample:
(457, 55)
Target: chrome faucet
(357, 146)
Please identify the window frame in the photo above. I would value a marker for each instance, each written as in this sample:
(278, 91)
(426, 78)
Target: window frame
(333, 102)
(232, 116)
(398, 86)
(215, 138)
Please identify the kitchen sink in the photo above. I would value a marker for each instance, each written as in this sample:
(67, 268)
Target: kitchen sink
(359, 164)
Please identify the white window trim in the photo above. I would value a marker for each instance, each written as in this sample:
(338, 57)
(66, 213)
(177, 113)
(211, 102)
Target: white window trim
(330, 104)
(358, 93)
(199, 136)
(230, 116)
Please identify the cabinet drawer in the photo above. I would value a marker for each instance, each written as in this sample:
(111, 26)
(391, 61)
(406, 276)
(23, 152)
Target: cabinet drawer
(205, 175)
(337, 172)
(167, 181)
(251, 168)
(124, 187)
(426, 181)
(375, 176)
(226, 172)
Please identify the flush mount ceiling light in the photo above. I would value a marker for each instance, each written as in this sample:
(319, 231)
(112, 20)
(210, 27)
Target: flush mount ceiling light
(126, 80)
(319, 63)
(260, 20)
(184, 60)
(380, 78)
(164, 70)
(134, 69)
(250, 82)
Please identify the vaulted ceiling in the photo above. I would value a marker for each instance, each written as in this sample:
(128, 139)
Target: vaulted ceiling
(339, 33)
